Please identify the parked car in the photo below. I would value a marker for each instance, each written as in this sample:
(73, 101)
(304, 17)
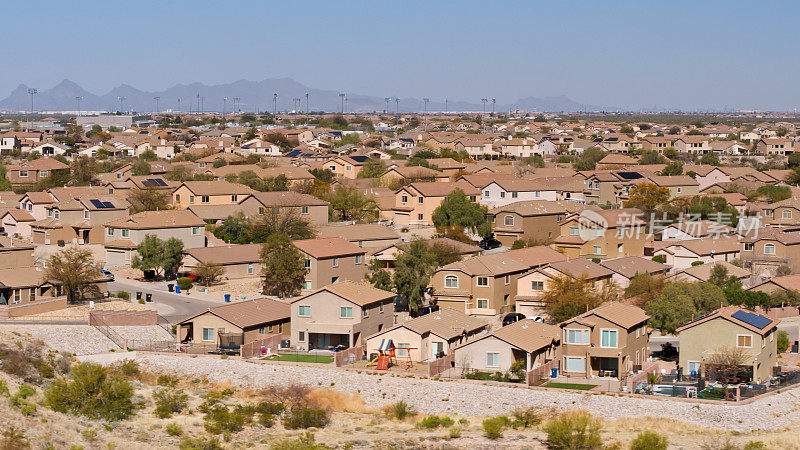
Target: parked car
(427, 309)
(488, 243)
(108, 274)
(512, 317)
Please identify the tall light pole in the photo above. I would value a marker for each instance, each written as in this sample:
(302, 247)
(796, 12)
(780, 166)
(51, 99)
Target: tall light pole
(341, 110)
(157, 98)
(224, 105)
(345, 103)
(235, 102)
(198, 103)
(307, 110)
(202, 104)
(179, 104)
(483, 124)
(78, 99)
(275, 106)
(32, 92)
(121, 103)
(445, 106)
(296, 101)
(425, 111)
(493, 102)
(397, 105)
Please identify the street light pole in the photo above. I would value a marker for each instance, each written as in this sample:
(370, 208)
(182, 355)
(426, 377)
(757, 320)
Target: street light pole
(425, 111)
(224, 105)
(493, 102)
(236, 102)
(78, 100)
(341, 109)
(445, 106)
(397, 105)
(157, 98)
(386, 99)
(275, 106)
(308, 111)
(32, 92)
(483, 119)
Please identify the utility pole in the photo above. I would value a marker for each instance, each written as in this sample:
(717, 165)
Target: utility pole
(341, 109)
(224, 105)
(397, 105)
(483, 119)
(235, 102)
(493, 102)
(202, 104)
(78, 100)
(275, 106)
(296, 102)
(445, 106)
(157, 98)
(425, 111)
(198, 103)
(121, 103)
(179, 104)
(345, 103)
(32, 92)
(308, 111)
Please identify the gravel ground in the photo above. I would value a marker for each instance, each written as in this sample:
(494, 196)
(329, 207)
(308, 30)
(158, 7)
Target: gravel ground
(77, 339)
(475, 399)
(152, 332)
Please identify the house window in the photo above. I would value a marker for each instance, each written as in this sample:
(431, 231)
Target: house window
(332, 168)
(204, 199)
(419, 216)
(366, 312)
(537, 285)
(177, 198)
(261, 210)
(509, 221)
(304, 210)
(307, 263)
(694, 367)
(334, 280)
(493, 360)
(679, 190)
(335, 262)
(191, 199)
(345, 312)
(404, 199)
(261, 330)
(786, 214)
(195, 230)
(483, 303)
(515, 194)
(608, 338)
(483, 281)
(304, 311)
(748, 246)
(23, 173)
(358, 259)
(508, 279)
(306, 285)
(573, 231)
(579, 337)
(85, 214)
(348, 168)
(233, 197)
(420, 199)
(744, 340)
(49, 213)
(208, 334)
(250, 268)
(125, 233)
(301, 336)
(769, 249)
(56, 214)
(380, 307)
(110, 231)
(43, 173)
(597, 250)
(574, 364)
(502, 194)
(451, 281)
(486, 194)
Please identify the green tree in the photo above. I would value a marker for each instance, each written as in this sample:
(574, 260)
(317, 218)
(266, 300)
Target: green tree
(95, 392)
(157, 255)
(284, 270)
(234, 230)
(209, 273)
(457, 209)
(324, 175)
(649, 440)
(710, 158)
(73, 269)
(372, 168)
(5, 184)
(444, 253)
(379, 277)
(651, 157)
(274, 221)
(567, 297)
(412, 273)
(645, 286)
(774, 193)
(348, 203)
(148, 199)
(647, 197)
(675, 168)
(277, 183)
(678, 302)
(589, 159)
(140, 167)
(148, 155)
(84, 170)
(783, 341)
(720, 278)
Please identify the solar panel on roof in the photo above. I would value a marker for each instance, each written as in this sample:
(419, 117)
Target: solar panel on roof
(160, 182)
(630, 175)
(752, 319)
(107, 205)
(359, 158)
(293, 153)
(96, 203)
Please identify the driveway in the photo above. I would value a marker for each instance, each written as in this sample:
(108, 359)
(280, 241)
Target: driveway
(173, 307)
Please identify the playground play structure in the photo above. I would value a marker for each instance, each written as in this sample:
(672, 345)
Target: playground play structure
(387, 356)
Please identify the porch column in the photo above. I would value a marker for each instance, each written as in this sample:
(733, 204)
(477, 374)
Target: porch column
(350, 336)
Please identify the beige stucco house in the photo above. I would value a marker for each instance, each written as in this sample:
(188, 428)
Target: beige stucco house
(123, 235)
(331, 260)
(526, 340)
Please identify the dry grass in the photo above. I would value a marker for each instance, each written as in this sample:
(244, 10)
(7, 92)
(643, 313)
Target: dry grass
(337, 401)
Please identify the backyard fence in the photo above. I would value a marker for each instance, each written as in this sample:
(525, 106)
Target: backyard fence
(123, 318)
(150, 345)
(542, 372)
(254, 348)
(640, 378)
(349, 356)
(437, 366)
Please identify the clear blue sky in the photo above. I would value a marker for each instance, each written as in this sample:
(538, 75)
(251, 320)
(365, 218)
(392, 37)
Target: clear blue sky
(677, 54)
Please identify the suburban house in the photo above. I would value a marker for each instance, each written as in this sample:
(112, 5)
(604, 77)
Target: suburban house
(346, 166)
(531, 220)
(608, 341)
(681, 254)
(504, 191)
(703, 272)
(123, 235)
(241, 322)
(388, 255)
(365, 235)
(49, 147)
(774, 146)
(341, 314)
(677, 185)
(238, 261)
(209, 193)
(415, 203)
(604, 234)
(693, 144)
(785, 213)
(726, 328)
(17, 223)
(28, 173)
(774, 285)
(331, 260)
(532, 286)
(766, 249)
(402, 175)
(430, 336)
(311, 208)
(695, 229)
(627, 267)
(529, 341)
(78, 220)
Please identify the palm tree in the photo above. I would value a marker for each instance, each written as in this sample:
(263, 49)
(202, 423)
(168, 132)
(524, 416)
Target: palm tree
(652, 380)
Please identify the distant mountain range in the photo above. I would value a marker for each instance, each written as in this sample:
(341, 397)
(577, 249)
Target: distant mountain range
(253, 96)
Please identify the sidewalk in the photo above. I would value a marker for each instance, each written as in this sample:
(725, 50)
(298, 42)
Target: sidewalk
(161, 288)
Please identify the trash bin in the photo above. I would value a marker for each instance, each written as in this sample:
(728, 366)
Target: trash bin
(138, 295)
(149, 297)
(177, 289)
(554, 372)
(170, 287)
(227, 298)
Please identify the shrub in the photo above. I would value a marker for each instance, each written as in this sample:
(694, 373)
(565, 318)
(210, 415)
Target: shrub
(167, 380)
(14, 440)
(493, 427)
(400, 410)
(94, 392)
(199, 444)
(141, 301)
(174, 429)
(3, 388)
(185, 283)
(525, 418)
(267, 412)
(169, 402)
(455, 432)
(660, 259)
(300, 417)
(304, 442)
(61, 243)
(220, 418)
(127, 368)
(783, 341)
(649, 440)
(19, 400)
(574, 430)
(125, 295)
(697, 263)
(432, 422)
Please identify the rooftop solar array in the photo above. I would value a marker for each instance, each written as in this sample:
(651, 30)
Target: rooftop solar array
(101, 204)
(359, 158)
(630, 175)
(753, 319)
(293, 153)
(151, 182)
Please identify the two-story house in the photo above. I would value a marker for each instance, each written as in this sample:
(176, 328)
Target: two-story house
(504, 191)
(604, 234)
(209, 193)
(123, 235)
(415, 203)
(340, 314)
(766, 249)
(330, 261)
(78, 220)
(608, 341)
(785, 213)
(531, 220)
(731, 327)
(693, 144)
(28, 173)
(681, 254)
(774, 146)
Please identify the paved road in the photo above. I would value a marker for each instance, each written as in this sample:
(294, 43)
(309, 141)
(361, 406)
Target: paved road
(172, 306)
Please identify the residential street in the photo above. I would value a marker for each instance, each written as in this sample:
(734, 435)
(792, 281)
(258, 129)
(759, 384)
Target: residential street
(171, 306)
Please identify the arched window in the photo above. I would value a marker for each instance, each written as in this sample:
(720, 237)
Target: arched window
(451, 281)
(769, 249)
(509, 221)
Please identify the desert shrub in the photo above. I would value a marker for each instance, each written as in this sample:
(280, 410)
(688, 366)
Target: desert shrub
(783, 341)
(125, 295)
(127, 368)
(169, 402)
(574, 430)
(199, 444)
(167, 380)
(432, 422)
(267, 411)
(289, 396)
(20, 402)
(526, 417)
(455, 432)
(3, 388)
(14, 440)
(649, 440)
(660, 259)
(185, 283)
(697, 263)
(303, 442)
(174, 429)
(94, 391)
(31, 362)
(90, 435)
(400, 410)
(221, 419)
(754, 445)
(300, 417)
(493, 427)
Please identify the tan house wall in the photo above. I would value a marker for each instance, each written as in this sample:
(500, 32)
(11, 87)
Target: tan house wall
(182, 198)
(464, 298)
(322, 271)
(628, 344)
(542, 228)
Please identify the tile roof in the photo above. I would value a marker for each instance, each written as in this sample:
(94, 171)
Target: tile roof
(359, 293)
(580, 267)
(327, 247)
(226, 254)
(491, 264)
(447, 323)
(146, 220)
(727, 313)
(526, 334)
(629, 266)
(703, 271)
(626, 316)
(217, 187)
(358, 232)
(249, 313)
(442, 189)
(288, 198)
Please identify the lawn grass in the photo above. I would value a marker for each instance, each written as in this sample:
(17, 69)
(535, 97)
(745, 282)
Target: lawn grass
(582, 387)
(322, 359)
